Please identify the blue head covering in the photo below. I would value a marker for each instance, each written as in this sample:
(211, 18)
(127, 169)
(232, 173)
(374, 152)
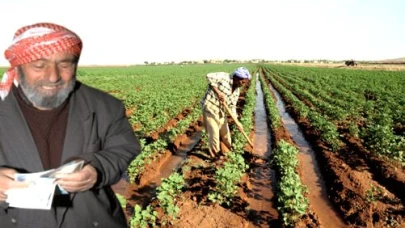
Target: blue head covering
(243, 73)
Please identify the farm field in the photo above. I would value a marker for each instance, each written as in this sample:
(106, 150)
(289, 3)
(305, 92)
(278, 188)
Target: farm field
(386, 66)
(328, 150)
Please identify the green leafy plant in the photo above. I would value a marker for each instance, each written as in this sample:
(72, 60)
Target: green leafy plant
(226, 178)
(374, 193)
(354, 129)
(379, 138)
(291, 198)
(143, 218)
(167, 192)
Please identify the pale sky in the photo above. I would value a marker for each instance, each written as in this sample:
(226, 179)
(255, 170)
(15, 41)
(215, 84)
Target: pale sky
(134, 31)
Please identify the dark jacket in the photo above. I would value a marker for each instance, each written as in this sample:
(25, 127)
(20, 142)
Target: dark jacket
(97, 131)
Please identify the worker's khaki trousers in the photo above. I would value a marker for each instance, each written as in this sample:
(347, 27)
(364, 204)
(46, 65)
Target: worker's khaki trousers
(217, 129)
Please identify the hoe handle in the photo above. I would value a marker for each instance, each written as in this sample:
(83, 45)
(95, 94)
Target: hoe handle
(238, 124)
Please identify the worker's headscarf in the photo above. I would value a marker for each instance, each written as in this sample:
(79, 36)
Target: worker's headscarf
(34, 42)
(242, 73)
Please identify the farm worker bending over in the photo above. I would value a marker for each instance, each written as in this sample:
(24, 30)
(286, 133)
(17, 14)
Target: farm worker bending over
(48, 118)
(223, 88)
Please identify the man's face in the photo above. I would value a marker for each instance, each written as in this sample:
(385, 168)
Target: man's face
(239, 82)
(48, 81)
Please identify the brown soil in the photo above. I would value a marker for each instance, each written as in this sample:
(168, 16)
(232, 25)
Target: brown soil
(152, 170)
(387, 172)
(194, 215)
(367, 191)
(195, 208)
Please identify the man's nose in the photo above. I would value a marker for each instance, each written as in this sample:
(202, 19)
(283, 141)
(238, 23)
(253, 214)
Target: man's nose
(53, 73)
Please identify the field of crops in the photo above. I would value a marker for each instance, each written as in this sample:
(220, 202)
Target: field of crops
(353, 120)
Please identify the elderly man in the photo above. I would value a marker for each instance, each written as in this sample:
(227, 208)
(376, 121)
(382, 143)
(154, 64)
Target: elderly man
(47, 118)
(223, 89)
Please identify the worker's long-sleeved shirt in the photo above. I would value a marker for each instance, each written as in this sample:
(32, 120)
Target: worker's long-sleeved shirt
(223, 81)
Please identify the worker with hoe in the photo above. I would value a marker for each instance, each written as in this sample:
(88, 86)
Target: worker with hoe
(222, 93)
(48, 118)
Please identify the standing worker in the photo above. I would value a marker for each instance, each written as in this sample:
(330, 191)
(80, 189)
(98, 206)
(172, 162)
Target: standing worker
(223, 88)
(48, 118)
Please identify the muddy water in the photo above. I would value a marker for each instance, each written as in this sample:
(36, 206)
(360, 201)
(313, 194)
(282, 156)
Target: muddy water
(262, 178)
(262, 139)
(143, 195)
(311, 175)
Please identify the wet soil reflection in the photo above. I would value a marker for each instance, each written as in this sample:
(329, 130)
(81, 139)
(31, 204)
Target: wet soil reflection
(262, 178)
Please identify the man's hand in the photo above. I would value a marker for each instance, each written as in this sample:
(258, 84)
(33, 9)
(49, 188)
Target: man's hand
(80, 181)
(220, 95)
(7, 182)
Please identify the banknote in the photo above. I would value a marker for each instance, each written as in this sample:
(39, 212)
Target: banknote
(69, 167)
(40, 189)
(37, 195)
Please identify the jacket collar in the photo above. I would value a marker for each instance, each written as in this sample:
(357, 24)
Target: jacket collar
(17, 139)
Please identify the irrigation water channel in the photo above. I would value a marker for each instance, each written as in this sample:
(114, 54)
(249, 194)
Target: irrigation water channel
(311, 175)
(262, 178)
(143, 194)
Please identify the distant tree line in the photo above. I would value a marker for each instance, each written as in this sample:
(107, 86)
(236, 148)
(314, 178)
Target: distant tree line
(230, 61)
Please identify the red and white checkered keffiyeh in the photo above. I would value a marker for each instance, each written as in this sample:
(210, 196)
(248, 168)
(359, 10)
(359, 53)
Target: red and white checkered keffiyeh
(34, 42)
